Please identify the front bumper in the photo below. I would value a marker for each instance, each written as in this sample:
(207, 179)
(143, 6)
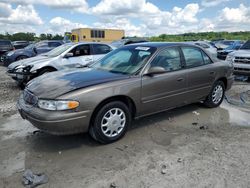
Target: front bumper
(54, 122)
(20, 76)
(242, 69)
(7, 60)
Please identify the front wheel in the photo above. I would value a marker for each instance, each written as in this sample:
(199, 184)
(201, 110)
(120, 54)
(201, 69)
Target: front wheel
(111, 122)
(216, 96)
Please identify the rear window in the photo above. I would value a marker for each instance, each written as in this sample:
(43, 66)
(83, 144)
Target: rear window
(5, 43)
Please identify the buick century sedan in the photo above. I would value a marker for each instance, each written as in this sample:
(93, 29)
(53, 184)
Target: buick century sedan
(129, 82)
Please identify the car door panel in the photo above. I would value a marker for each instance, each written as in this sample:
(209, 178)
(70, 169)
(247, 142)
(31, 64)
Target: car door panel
(167, 90)
(200, 78)
(163, 91)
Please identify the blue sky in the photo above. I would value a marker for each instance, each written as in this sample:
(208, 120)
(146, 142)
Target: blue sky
(141, 17)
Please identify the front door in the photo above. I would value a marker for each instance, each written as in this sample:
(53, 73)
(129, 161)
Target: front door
(81, 57)
(166, 90)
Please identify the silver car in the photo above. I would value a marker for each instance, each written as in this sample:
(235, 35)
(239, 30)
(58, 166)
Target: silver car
(70, 55)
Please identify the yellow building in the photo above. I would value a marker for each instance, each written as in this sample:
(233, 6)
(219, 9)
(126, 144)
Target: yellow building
(96, 35)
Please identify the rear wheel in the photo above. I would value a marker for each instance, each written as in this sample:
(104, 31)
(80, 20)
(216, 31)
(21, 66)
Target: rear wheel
(216, 96)
(110, 122)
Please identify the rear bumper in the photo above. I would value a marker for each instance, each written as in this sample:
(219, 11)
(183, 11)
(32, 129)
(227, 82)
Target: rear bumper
(54, 122)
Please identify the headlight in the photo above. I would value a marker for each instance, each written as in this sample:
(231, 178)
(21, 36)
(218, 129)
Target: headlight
(229, 58)
(57, 104)
(23, 68)
(10, 53)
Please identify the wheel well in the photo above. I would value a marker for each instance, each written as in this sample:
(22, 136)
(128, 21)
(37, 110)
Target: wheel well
(125, 99)
(22, 56)
(224, 80)
(47, 68)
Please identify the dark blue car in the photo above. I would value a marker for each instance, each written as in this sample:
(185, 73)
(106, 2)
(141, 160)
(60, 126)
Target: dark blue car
(30, 51)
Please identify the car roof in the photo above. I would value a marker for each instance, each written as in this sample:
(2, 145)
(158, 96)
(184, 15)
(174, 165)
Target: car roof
(161, 44)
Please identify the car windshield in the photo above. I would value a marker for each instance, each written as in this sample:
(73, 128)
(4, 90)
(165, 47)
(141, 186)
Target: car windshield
(246, 46)
(30, 46)
(127, 60)
(58, 51)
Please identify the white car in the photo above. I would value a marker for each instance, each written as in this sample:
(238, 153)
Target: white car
(207, 47)
(241, 60)
(70, 55)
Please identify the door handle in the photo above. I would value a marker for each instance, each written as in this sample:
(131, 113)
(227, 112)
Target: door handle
(180, 79)
(212, 73)
(88, 59)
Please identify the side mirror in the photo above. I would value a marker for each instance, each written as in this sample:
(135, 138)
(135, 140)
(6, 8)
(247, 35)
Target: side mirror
(155, 70)
(69, 55)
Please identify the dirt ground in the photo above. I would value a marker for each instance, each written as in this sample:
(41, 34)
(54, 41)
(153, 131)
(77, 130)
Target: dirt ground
(190, 146)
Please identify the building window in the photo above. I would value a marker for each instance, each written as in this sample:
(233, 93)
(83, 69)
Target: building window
(97, 34)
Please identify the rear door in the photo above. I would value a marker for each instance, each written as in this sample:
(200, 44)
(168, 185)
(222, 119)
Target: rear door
(42, 47)
(163, 91)
(99, 50)
(201, 72)
(81, 56)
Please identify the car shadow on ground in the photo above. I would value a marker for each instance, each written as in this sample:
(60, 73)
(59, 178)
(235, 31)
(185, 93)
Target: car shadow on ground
(41, 141)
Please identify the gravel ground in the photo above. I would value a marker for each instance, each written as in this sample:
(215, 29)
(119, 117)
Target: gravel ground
(190, 146)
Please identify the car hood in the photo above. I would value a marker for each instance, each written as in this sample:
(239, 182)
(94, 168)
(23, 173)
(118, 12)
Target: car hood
(29, 61)
(53, 85)
(241, 53)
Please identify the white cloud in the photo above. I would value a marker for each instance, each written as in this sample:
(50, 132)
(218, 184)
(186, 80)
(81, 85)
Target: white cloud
(61, 25)
(212, 3)
(5, 10)
(23, 18)
(124, 7)
(73, 5)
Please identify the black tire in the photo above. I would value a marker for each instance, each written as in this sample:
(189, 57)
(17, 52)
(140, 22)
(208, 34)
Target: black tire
(21, 57)
(21, 85)
(95, 129)
(209, 102)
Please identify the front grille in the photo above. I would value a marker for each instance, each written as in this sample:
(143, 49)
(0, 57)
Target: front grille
(244, 60)
(29, 97)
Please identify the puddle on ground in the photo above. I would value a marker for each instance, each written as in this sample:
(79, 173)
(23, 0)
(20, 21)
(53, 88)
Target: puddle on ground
(14, 127)
(12, 165)
(236, 115)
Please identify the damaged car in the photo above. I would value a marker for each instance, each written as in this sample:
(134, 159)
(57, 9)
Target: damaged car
(70, 55)
(128, 83)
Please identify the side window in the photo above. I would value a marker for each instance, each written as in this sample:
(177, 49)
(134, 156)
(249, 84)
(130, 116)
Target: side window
(101, 49)
(207, 60)
(81, 50)
(193, 56)
(54, 44)
(169, 59)
(42, 45)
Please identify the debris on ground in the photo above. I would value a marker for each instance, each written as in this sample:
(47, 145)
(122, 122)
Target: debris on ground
(216, 149)
(196, 113)
(163, 169)
(33, 180)
(59, 152)
(241, 78)
(179, 160)
(113, 185)
(203, 127)
(195, 123)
